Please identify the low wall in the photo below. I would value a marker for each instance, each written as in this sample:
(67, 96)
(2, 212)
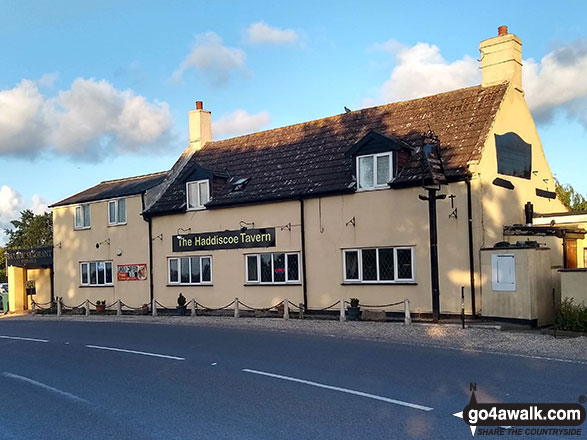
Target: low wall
(574, 284)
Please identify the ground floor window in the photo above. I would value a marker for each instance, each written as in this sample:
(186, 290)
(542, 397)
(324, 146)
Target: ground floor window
(96, 273)
(190, 270)
(379, 265)
(273, 268)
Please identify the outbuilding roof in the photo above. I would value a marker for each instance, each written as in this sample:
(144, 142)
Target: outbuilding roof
(110, 189)
(309, 160)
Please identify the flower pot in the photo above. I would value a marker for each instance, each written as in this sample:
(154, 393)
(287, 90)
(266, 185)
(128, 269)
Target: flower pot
(100, 308)
(181, 310)
(354, 313)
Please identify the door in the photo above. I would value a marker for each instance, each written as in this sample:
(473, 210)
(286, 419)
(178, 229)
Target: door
(571, 252)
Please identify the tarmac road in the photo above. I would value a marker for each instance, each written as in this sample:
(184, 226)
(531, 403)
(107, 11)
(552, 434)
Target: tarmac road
(71, 380)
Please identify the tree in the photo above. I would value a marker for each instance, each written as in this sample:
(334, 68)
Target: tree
(3, 276)
(30, 231)
(571, 199)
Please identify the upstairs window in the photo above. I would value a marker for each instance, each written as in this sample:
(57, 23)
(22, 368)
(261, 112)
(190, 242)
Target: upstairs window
(198, 194)
(82, 216)
(374, 170)
(117, 212)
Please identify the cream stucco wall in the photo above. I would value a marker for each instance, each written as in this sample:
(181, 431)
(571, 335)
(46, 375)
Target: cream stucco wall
(383, 218)
(75, 246)
(228, 265)
(574, 285)
(42, 279)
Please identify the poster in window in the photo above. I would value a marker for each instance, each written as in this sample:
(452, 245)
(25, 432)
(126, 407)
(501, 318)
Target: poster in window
(132, 272)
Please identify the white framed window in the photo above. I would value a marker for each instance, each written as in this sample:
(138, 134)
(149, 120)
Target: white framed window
(272, 268)
(503, 272)
(379, 265)
(194, 270)
(198, 194)
(374, 170)
(117, 212)
(95, 273)
(82, 216)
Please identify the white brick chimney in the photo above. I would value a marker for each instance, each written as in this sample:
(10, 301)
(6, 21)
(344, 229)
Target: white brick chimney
(200, 122)
(501, 59)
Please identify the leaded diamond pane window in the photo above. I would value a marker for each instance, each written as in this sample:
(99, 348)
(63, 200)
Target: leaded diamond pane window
(369, 264)
(386, 269)
(404, 264)
(293, 271)
(252, 270)
(351, 265)
(279, 268)
(380, 265)
(266, 271)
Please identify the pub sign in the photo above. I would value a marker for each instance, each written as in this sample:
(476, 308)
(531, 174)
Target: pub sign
(237, 239)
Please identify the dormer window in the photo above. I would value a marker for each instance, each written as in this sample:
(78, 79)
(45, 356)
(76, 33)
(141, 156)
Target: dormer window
(374, 170)
(198, 194)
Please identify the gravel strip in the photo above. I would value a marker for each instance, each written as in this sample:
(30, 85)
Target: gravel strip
(527, 344)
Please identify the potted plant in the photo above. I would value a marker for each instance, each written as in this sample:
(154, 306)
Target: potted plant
(354, 311)
(181, 308)
(101, 306)
(144, 309)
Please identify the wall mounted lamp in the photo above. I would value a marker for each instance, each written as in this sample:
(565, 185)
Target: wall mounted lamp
(351, 222)
(160, 237)
(107, 241)
(245, 225)
(180, 231)
(58, 245)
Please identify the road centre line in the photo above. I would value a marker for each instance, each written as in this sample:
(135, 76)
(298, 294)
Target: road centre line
(144, 353)
(45, 387)
(343, 390)
(20, 338)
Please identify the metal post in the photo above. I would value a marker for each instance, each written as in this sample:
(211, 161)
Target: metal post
(407, 315)
(87, 307)
(236, 309)
(33, 304)
(342, 315)
(118, 308)
(58, 306)
(553, 313)
(285, 309)
(193, 306)
(463, 306)
(301, 309)
(154, 307)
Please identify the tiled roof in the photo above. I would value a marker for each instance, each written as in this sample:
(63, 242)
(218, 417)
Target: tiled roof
(115, 188)
(308, 159)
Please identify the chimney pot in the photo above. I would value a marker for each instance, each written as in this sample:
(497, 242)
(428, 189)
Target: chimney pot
(199, 105)
(502, 30)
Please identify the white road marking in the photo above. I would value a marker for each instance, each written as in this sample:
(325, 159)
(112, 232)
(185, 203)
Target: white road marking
(343, 390)
(45, 387)
(144, 353)
(19, 338)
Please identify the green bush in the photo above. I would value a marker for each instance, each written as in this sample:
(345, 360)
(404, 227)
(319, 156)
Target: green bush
(571, 316)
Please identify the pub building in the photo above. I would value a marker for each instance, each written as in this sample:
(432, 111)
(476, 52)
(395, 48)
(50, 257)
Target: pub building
(404, 200)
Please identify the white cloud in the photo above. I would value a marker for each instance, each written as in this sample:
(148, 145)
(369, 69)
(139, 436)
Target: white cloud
(262, 33)
(47, 80)
(212, 58)
(40, 205)
(240, 122)
(558, 82)
(11, 203)
(422, 71)
(92, 116)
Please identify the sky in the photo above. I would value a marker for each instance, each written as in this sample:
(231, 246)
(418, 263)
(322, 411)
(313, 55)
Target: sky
(92, 91)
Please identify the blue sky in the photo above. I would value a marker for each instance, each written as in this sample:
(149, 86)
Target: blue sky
(91, 91)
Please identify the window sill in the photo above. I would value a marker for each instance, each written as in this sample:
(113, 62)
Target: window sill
(83, 286)
(379, 283)
(296, 283)
(82, 229)
(376, 188)
(201, 208)
(190, 285)
(116, 224)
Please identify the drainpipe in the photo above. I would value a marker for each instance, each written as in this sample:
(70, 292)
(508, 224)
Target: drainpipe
(471, 258)
(303, 238)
